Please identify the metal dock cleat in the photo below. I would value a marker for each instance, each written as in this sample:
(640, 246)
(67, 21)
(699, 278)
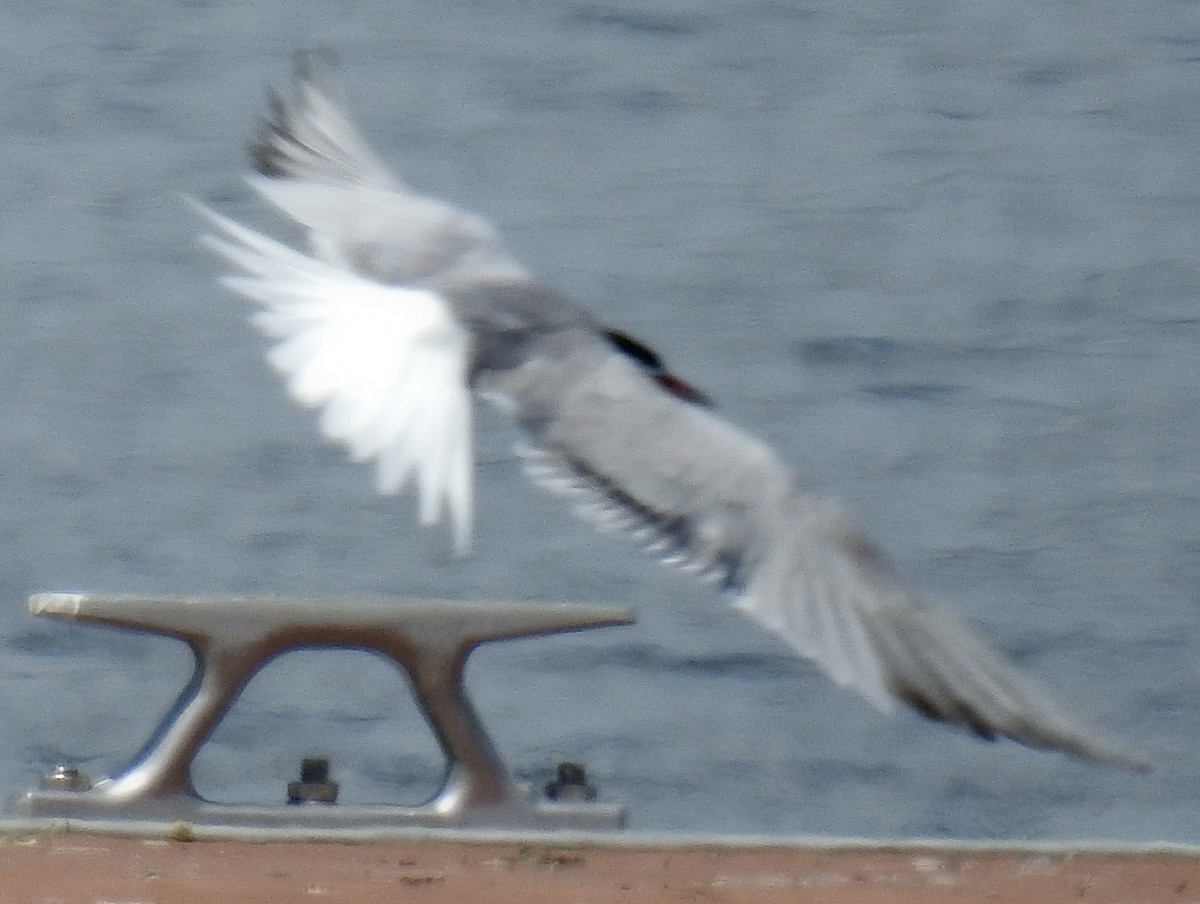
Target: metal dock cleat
(232, 638)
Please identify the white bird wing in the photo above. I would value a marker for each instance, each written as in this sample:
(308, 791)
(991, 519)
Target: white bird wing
(392, 237)
(718, 501)
(361, 330)
(315, 166)
(386, 364)
(308, 137)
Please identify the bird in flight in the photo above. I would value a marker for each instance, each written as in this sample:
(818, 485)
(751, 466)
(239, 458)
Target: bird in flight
(405, 308)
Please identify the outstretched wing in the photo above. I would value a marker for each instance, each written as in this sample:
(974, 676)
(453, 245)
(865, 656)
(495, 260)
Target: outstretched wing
(713, 499)
(309, 137)
(386, 364)
(362, 330)
(313, 164)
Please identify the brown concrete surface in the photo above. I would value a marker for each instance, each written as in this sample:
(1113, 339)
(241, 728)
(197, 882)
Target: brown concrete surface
(90, 869)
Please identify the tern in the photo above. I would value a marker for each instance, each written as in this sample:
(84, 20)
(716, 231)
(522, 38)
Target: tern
(406, 308)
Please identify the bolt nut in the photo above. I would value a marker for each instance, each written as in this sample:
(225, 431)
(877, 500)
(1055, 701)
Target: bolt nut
(570, 784)
(314, 786)
(65, 778)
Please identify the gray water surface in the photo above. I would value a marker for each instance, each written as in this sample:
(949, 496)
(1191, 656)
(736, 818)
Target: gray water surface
(942, 255)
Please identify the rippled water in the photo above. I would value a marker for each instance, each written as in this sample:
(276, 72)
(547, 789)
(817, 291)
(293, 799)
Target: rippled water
(942, 255)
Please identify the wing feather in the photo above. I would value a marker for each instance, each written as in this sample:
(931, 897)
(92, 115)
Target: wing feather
(315, 166)
(718, 500)
(387, 364)
(309, 137)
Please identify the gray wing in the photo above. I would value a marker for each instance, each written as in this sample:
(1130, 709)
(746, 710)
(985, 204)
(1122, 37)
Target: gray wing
(719, 502)
(314, 165)
(308, 136)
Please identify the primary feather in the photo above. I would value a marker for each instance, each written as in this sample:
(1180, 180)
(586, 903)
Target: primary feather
(408, 305)
(386, 363)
